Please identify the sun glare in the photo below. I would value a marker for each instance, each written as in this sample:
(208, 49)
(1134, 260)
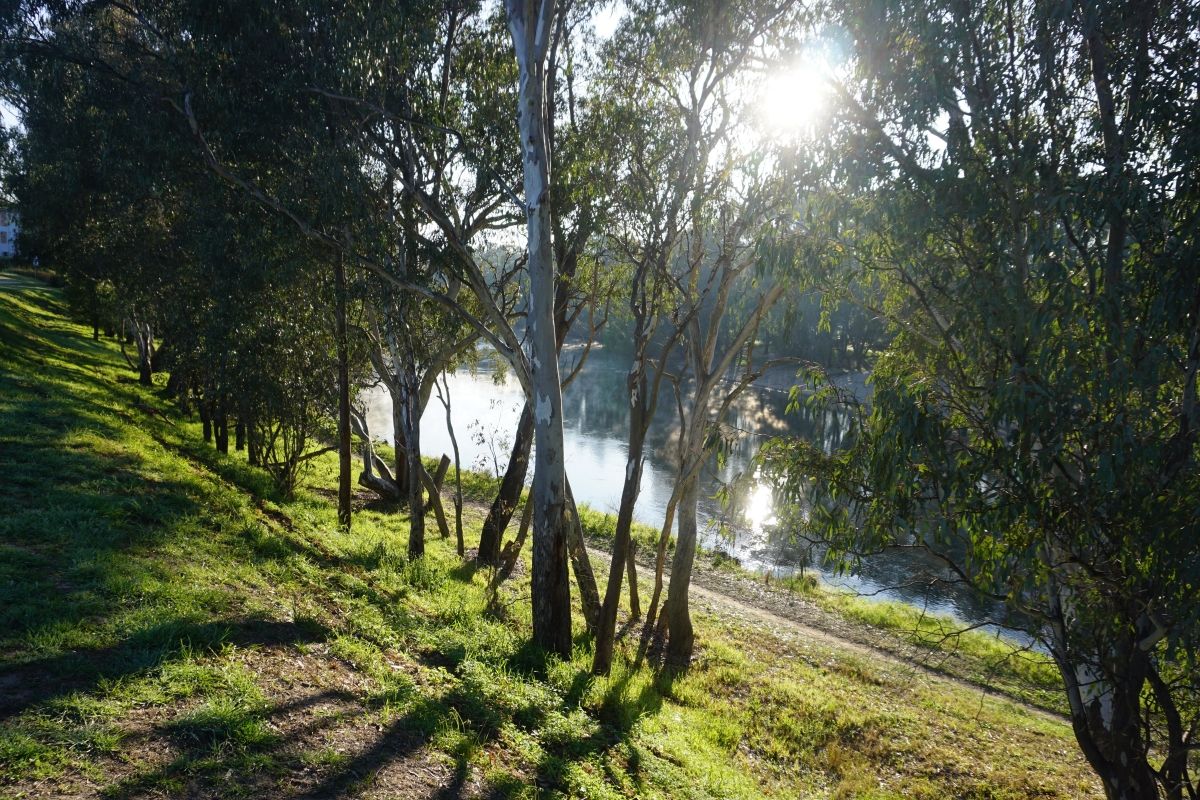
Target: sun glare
(792, 101)
(760, 507)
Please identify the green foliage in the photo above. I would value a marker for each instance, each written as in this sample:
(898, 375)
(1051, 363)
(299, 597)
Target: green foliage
(1034, 423)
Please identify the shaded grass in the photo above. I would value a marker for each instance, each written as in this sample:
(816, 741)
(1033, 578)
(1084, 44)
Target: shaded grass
(156, 596)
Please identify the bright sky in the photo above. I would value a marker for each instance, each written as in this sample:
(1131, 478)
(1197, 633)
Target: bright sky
(8, 115)
(608, 18)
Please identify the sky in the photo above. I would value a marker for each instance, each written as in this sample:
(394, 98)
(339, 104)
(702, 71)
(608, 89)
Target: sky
(607, 18)
(8, 115)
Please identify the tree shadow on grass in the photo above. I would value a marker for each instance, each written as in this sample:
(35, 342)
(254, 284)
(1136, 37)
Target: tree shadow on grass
(219, 748)
(77, 518)
(37, 682)
(617, 716)
(229, 749)
(465, 571)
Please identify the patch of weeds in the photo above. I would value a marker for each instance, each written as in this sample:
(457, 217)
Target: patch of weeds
(359, 653)
(223, 725)
(395, 692)
(22, 755)
(424, 574)
(383, 557)
(458, 737)
(188, 677)
(325, 758)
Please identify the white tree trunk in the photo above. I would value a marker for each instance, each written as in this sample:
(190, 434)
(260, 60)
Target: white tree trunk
(531, 22)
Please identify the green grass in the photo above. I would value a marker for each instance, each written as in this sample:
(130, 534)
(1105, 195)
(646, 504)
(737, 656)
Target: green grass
(950, 647)
(170, 626)
(946, 645)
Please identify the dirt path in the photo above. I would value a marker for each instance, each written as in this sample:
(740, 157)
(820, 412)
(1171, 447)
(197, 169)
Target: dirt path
(793, 619)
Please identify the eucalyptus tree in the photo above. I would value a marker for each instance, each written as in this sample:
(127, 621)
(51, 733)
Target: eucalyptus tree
(532, 24)
(653, 159)
(1018, 178)
(580, 138)
(290, 105)
(421, 91)
(130, 162)
(714, 238)
(271, 98)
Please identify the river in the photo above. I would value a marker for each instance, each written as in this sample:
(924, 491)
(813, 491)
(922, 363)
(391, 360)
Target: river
(486, 403)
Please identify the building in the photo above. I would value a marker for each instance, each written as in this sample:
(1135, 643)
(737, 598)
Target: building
(10, 228)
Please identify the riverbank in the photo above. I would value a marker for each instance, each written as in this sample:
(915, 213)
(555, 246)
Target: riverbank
(736, 507)
(171, 627)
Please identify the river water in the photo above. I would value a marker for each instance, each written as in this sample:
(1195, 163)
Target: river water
(486, 403)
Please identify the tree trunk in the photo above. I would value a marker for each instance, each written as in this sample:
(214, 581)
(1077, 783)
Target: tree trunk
(382, 484)
(458, 496)
(416, 470)
(439, 475)
(530, 22)
(239, 434)
(635, 604)
(512, 550)
(621, 551)
(678, 619)
(509, 494)
(660, 557)
(221, 427)
(343, 389)
(398, 440)
(1106, 718)
(144, 339)
(205, 420)
(253, 444)
(433, 483)
(589, 596)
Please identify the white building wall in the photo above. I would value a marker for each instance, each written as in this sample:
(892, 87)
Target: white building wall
(10, 228)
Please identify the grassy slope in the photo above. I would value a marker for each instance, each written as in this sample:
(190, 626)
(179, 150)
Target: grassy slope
(940, 644)
(167, 625)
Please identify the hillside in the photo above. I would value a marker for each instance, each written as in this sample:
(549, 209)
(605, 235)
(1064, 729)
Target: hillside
(170, 627)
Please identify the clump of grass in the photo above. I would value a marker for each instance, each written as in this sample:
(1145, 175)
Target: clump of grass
(223, 725)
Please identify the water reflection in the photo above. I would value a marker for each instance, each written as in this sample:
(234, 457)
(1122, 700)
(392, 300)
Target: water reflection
(487, 403)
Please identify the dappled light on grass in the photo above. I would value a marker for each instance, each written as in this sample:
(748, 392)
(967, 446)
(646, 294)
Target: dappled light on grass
(176, 628)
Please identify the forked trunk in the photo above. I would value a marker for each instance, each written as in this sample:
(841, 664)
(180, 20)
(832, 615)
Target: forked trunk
(1106, 716)
(622, 553)
(509, 494)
